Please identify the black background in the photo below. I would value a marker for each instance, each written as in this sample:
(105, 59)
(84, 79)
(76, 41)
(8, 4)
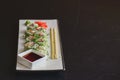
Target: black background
(90, 33)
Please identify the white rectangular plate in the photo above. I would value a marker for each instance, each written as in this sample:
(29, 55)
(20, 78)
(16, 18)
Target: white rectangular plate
(55, 64)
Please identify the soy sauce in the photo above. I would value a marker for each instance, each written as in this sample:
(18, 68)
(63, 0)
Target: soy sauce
(32, 56)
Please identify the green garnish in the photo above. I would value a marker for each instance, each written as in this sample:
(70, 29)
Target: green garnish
(27, 22)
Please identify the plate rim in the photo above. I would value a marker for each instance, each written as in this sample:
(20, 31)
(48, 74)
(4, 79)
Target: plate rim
(62, 57)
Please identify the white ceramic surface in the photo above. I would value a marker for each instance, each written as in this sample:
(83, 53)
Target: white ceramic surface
(56, 64)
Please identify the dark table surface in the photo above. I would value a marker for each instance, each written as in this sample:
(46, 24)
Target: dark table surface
(90, 33)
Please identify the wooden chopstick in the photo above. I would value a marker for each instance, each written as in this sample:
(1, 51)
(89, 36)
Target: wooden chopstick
(52, 43)
(55, 47)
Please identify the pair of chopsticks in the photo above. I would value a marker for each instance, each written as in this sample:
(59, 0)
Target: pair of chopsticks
(53, 43)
